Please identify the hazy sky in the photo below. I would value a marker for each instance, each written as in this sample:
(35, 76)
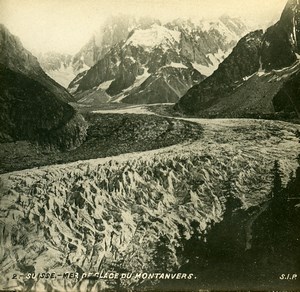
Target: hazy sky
(66, 25)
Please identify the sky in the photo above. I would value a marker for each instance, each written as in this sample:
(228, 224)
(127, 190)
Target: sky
(66, 25)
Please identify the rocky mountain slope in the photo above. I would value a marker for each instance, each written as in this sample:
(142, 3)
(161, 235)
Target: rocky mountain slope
(15, 57)
(33, 106)
(124, 214)
(107, 135)
(259, 77)
(157, 63)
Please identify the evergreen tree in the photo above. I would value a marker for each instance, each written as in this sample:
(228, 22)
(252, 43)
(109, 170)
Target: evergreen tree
(232, 202)
(278, 207)
(162, 256)
(195, 248)
(277, 181)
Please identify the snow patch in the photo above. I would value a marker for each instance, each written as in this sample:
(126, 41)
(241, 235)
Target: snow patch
(105, 85)
(261, 71)
(215, 60)
(221, 28)
(154, 36)
(284, 73)
(83, 68)
(177, 65)
(204, 70)
(131, 58)
(206, 25)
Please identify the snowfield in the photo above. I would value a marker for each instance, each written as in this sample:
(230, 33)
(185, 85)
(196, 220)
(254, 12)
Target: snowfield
(65, 74)
(109, 213)
(154, 36)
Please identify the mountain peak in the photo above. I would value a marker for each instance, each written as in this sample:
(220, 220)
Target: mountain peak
(4, 29)
(6, 34)
(292, 3)
(291, 9)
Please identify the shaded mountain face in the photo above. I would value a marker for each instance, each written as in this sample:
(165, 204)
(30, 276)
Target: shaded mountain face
(282, 41)
(256, 78)
(15, 57)
(29, 111)
(158, 63)
(33, 106)
(243, 61)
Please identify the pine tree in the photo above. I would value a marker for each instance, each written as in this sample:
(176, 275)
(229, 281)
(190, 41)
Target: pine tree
(232, 202)
(195, 249)
(277, 181)
(278, 206)
(162, 256)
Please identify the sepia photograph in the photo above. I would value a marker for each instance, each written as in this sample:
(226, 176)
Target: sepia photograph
(149, 145)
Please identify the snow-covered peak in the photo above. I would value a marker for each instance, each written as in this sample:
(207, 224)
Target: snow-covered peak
(154, 36)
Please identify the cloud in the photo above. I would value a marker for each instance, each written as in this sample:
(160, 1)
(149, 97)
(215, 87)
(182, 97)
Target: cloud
(65, 25)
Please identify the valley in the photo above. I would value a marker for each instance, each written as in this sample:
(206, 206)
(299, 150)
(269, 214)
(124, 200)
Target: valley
(163, 149)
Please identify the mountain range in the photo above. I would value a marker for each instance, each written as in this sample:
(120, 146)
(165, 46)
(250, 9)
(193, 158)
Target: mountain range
(136, 61)
(260, 77)
(158, 63)
(144, 61)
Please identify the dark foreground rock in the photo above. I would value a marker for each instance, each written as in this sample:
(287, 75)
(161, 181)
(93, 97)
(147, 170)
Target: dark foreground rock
(107, 135)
